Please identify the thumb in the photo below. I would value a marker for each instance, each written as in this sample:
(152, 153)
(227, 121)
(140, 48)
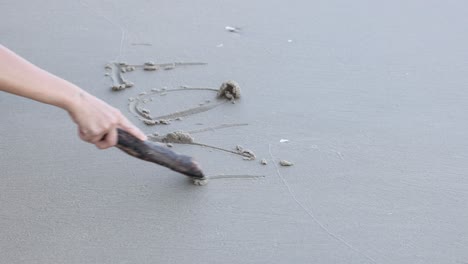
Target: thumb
(109, 140)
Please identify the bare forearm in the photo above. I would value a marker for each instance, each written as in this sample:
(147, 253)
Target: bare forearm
(97, 121)
(20, 77)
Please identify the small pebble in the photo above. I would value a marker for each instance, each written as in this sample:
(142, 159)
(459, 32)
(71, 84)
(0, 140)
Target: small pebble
(285, 163)
(264, 162)
(169, 145)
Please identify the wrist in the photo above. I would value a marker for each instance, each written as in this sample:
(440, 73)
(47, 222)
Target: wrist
(71, 99)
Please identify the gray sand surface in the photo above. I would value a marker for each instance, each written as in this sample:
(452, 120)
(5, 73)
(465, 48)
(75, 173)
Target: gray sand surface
(372, 96)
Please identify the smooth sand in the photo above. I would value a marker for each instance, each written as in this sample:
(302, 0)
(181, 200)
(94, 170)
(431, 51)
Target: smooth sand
(371, 96)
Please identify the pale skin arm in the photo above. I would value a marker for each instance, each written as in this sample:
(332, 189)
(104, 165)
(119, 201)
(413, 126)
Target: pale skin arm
(96, 120)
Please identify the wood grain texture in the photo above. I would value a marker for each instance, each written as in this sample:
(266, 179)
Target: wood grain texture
(155, 153)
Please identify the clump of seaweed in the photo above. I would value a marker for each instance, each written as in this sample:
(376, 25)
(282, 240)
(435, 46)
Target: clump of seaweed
(229, 90)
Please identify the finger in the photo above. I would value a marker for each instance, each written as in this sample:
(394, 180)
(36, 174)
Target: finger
(130, 128)
(85, 136)
(108, 140)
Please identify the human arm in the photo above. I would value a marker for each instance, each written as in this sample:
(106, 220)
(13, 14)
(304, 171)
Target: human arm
(96, 120)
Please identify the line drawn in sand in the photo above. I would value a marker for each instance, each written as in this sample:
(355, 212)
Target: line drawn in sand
(228, 92)
(181, 137)
(115, 71)
(202, 182)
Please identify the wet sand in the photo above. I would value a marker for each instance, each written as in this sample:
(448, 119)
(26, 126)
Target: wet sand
(371, 98)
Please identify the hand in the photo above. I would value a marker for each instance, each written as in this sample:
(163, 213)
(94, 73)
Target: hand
(97, 121)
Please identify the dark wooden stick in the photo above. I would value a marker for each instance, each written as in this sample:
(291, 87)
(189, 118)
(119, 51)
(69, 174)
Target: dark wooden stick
(155, 153)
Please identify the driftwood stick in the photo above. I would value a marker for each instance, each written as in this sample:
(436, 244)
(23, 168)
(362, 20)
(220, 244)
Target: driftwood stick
(158, 154)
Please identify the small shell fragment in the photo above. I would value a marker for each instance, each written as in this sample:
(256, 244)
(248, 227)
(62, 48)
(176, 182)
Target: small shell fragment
(232, 29)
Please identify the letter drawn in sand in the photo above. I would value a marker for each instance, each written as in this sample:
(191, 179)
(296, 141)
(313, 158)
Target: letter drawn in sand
(229, 90)
(115, 71)
(181, 137)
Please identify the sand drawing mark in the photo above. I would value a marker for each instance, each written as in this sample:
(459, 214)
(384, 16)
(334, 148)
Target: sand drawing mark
(235, 176)
(117, 69)
(181, 137)
(312, 216)
(141, 44)
(201, 182)
(222, 126)
(136, 107)
(152, 66)
(228, 92)
(114, 71)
